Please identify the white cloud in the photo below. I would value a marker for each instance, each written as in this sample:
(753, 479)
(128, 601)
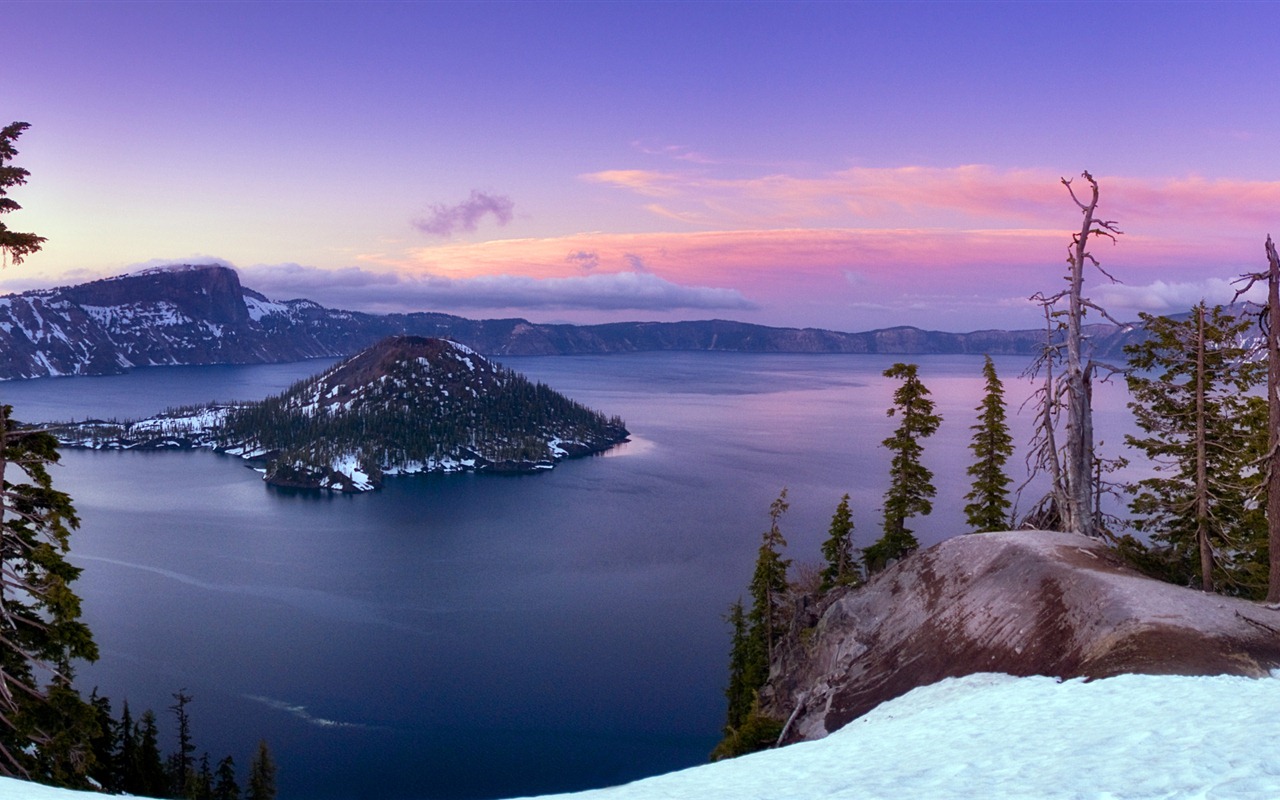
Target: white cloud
(1159, 297)
(354, 287)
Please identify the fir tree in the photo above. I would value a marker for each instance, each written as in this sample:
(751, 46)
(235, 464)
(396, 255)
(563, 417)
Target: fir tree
(224, 781)
(910, 482)
(1205, 435)
(40, 627)
(262, 775)
(14, 246)
(201, 787)
(128, 757)
(768, 586)
(739, 693)
(106, 769)
(151, 776)
(183, 761)
(988, 507)
(841, 569)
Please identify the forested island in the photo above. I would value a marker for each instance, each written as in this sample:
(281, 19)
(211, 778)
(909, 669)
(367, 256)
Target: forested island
(406, 405)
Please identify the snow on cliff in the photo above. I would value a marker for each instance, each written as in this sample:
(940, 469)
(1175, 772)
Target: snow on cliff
(995, 736)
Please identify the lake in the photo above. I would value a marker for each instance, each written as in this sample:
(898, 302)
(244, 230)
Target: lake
(475, 636)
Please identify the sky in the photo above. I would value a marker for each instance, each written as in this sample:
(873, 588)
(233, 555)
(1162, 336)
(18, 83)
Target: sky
(837, 165)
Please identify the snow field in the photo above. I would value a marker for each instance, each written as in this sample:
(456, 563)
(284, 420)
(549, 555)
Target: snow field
(995, 736)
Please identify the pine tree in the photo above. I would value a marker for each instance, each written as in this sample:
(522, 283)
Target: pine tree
(768, 586)
(183, 761)
(1189, 383)
(841, 569)
(14, 246)
(739, 693)
(988, 507)
(152, 781)
(910, 482)
(262, 775)
(224, 782)
(106, 770)
(127, 754)
(40, 627)
(201, 787)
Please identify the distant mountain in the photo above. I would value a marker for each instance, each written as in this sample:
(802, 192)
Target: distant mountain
(408, 404)
(202, 315)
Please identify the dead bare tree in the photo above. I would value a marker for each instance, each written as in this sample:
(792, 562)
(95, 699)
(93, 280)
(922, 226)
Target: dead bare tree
(1071, 466)
(1270, 319)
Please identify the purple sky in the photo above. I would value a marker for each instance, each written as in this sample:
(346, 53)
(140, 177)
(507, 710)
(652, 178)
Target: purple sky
(839, 165)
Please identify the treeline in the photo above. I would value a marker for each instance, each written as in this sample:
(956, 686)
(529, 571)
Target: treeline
(127, 759)
(1200, 519)
(775, 598)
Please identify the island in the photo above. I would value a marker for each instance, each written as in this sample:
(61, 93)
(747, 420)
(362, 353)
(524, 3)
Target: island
(408, 404)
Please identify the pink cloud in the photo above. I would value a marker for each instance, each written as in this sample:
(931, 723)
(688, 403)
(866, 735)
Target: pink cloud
(963, 197)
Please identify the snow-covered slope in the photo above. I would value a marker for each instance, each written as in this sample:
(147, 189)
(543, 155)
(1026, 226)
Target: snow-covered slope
(993, 736)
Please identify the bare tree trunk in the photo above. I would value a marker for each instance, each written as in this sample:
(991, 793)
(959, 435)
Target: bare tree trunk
(1273, 422)
(1202, 472)
(1077, 515)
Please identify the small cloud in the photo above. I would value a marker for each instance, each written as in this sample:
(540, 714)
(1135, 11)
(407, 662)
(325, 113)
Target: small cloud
(584, 260)
(635, 262)
(678, 152)
(855, 278)
(194, 260)
(445, 220)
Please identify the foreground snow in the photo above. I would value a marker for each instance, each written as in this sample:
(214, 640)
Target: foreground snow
(993, 736)
(1132, 736)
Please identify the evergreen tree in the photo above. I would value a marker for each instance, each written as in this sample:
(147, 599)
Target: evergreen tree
(841, 569)
(739, 694)
(152, 781)
(224, 781)
(1205, 435)
(988, 507)
(106, 770)
(183, 761)
(201, 787)
(128, 756)
(910, 482)
(262, 775)
(768, 586)
(14, 246)
(40, 627)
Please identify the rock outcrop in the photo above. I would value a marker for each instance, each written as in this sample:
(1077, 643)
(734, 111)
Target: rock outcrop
(203, 315)
(1022, 603)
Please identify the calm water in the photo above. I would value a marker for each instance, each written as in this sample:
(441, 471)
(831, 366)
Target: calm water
(481, 636)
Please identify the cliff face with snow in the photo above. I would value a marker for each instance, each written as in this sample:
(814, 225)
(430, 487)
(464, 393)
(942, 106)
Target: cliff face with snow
(203, 315)
(408, 404)
(1021, 603)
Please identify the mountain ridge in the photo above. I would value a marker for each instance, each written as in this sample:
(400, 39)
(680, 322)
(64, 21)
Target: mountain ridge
(202, 314)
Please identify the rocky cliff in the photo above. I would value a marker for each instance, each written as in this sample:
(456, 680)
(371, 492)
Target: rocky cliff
(203, 315)
(1022, 603)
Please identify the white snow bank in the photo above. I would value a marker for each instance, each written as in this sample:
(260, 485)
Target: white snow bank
(993, 736)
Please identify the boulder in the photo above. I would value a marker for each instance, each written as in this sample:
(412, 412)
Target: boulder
(1022, 603)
